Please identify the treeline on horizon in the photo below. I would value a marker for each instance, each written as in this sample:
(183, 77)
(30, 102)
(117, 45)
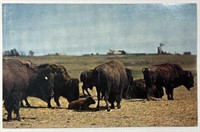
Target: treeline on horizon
(14, 52)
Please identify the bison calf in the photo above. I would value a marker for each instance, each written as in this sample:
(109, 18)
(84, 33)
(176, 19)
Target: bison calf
(82, 104)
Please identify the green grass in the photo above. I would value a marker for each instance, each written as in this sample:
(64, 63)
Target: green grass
(76, 64)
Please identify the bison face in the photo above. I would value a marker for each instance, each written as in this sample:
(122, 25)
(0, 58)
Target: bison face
(45, 83)
(49, 85)
(72, 89)
(129, 74)
(90, 100)
(188, 80)
(87, 84)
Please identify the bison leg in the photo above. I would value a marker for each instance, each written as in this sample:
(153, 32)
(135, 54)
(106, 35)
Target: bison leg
(9, 109)
(112, 104)
(17, 114)
(49, 103)
(118, 100)
(87, 91)
(22, 104)
(169, 92)
(107, 104)
(112, 100)
(27, 103)
(83, 91)
(56, 99)
(158, 91)
(172, 95)
(9, 117)
(148, 93)
(98, 97)
(16, 107)
(106, 100)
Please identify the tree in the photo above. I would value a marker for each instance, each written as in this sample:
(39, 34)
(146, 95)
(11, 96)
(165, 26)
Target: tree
(123, 52)
(14, 52)
(31, 53)
(22, 53)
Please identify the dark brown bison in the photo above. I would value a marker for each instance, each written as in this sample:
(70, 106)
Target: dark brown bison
(110, 79)
(64, 85)
(25, 81)
(138, 90)
(86, 78)
(167, 75)
(81, 104)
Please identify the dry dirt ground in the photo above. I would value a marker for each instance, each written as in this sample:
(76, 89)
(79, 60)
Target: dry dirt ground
(134, 113)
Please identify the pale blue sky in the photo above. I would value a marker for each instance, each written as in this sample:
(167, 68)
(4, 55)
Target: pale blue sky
(77, 29)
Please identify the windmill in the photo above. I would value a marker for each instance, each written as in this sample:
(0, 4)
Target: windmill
(160, 51)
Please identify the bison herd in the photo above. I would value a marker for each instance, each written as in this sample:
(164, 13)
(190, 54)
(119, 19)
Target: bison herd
(113, 81)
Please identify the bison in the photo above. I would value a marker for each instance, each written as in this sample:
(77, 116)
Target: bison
(25, 81)
(138, 90)
(110, 79)
(82, 104)
(167, 75)
(86, 78)
(64, 85)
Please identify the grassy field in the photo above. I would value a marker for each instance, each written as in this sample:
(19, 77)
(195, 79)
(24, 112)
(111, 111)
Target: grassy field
(180, 112)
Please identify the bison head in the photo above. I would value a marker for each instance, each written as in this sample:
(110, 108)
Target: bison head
(45, 84)
(188, 80)
(129, 74)
(72, 89)
(87, 84)
(86, 78)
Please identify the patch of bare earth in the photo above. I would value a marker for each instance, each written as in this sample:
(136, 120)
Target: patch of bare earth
(134, 113)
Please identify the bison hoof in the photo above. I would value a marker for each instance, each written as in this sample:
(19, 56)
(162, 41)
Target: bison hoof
(19, 119)
(112, 106)
(148, 99)
(108, 109)
(49, 106)
(170, 98)
(28, 106)
(118, 106)
(97, 109)
(9, 119)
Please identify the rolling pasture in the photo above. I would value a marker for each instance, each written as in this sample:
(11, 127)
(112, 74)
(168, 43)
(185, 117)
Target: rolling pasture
(181, 112)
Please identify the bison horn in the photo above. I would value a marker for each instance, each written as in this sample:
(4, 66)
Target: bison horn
(46, 78)
(144, 69)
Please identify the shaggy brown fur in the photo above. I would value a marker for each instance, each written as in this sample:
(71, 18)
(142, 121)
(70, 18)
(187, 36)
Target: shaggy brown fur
(82, 104)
